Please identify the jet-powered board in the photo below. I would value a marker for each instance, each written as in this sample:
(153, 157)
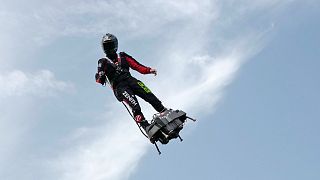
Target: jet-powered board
(165, 126)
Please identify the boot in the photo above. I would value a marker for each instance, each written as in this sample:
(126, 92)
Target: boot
(144, 124)
(163, 110)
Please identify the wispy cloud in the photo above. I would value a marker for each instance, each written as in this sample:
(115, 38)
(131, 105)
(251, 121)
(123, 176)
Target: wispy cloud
(113, 153)
(17, 91)
(206, 76)
(75, 18)
(42, 83)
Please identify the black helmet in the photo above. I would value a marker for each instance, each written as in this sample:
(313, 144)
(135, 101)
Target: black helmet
(109, 43)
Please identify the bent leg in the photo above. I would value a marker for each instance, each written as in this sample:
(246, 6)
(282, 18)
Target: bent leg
(124, 93)
(141, 90)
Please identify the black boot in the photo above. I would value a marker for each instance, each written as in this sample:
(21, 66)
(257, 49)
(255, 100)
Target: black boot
(144, 124)
(163, 110)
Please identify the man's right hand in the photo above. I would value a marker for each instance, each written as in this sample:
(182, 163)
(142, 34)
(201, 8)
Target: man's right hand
(101, 78)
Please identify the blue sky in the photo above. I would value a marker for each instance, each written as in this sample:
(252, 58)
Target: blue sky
(248, 71)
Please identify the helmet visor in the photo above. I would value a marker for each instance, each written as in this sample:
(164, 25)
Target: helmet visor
(109, 47)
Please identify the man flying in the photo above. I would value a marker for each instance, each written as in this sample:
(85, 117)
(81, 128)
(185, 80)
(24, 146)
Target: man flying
(114, 69)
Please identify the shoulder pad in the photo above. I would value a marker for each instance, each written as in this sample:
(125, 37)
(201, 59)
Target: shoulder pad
(123, 54)
(101, 60)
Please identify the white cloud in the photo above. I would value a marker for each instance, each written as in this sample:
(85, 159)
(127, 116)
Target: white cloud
(205, 76)
(17, 90)
(140, 17)
(112, 154)
(41, 83)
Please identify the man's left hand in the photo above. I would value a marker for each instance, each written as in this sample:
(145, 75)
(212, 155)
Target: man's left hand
(153, 71)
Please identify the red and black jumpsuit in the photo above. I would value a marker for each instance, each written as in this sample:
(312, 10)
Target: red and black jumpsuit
(125, 86)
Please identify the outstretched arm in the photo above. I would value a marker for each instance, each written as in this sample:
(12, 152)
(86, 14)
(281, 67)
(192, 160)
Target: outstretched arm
(134, 64)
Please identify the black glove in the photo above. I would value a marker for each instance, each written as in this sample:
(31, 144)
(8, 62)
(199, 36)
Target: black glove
(101, 78)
